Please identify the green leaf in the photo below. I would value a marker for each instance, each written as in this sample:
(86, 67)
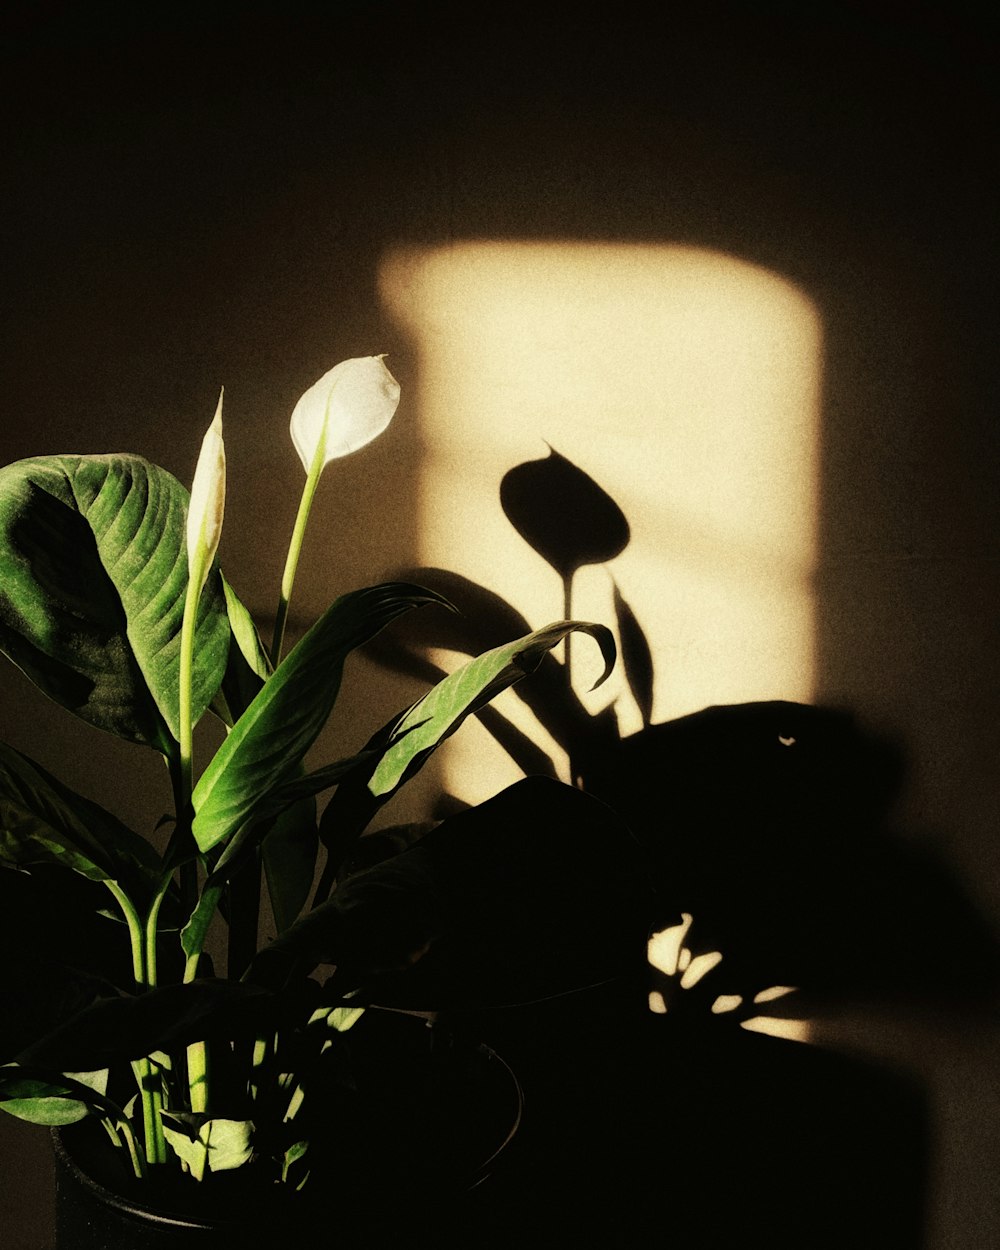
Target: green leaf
(93, 570)
(344, 1018)
(51, 1107)
(44, 822)
(247, 667)
(197, 1139)
(272, 736)
(404, 744)
(245, 633)
(442, 710)
(194, 932)
(294, 791)
(52, 1102)
(289, 853)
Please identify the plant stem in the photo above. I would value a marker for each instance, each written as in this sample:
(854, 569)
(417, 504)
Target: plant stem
(150, 934)
(295, 549)
(143, 966)
(197, 1053)
(136, 934)
(186, 724)
(133, 1148)
(122, 1127)
(568, 616)
(151, 1096)
(197, 1058)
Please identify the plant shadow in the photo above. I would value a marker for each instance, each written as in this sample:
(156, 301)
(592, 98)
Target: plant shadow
(767, 831)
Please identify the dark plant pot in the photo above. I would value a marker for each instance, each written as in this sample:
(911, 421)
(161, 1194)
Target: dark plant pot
(436, 1125)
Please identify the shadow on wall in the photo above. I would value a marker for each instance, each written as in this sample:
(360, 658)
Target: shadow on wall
(770, 823)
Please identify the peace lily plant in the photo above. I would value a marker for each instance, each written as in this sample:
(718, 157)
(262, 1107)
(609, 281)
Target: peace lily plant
(112, 602)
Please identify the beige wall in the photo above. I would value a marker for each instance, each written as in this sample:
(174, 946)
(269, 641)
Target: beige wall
(245, 201)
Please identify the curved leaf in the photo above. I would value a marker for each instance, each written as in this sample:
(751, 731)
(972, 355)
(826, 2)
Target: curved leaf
(404, 744)
(44, 822)
(442, 710)
(93, 570)
(271, 737)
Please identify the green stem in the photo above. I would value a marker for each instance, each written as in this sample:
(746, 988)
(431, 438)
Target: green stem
(144, 969)
(136, 933)
(197, 1059)
(116, 1129)
(186, 743)
(151, 1096)
(150, 933)
(197, 1053)
(133, 1148)
(295, 548)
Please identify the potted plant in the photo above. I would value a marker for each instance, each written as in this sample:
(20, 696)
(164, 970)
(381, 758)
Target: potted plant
(188, 1102)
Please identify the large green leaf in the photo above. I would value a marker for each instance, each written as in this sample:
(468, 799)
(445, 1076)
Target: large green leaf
(270, 739)
(442, 710)
(44, 822)
(93, 573)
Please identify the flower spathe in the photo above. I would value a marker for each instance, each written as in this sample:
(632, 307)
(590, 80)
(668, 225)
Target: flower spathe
(208, 501)
(344, 410)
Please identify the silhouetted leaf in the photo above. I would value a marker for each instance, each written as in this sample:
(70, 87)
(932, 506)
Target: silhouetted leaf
(536, 892)
(115, 1029)
(637, 659)
(563, 514)
(37, 994)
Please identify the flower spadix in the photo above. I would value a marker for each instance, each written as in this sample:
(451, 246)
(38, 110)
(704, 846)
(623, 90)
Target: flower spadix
(344, 410)
(208, 502)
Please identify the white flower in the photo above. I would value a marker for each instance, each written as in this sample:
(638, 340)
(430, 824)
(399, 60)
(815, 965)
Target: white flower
(344, 410)
(208, 501)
